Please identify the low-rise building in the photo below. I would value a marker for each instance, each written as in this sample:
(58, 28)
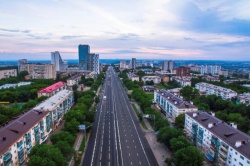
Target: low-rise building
(175, 91)
(172, 105)
(57, 105)
(52, 89)
(133, 76)
(155, 79)
(209, 89)
(243, 98)
(8, 73)
(5, 86)
(221, 143)
(18, 136)
(74, 80)
(183, 81)
(211, 78)
(148, 88)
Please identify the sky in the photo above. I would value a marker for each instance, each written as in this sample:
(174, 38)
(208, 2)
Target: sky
(122, 29)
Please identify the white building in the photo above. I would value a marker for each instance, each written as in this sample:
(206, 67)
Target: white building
(8, 73)
(123, 64)
(210, 89)
(18, 136)
(133, 76)
(172, 105)
(182, 80)
(221, 143)
(155, 79)
(20, 62)
(5, 86)
(74, 80)
(58, 62)
(93, 63)
(210, 69)
(57, 105)
(244, 98)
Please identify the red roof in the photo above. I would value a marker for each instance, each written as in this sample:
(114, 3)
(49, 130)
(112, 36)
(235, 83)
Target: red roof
(52, 88)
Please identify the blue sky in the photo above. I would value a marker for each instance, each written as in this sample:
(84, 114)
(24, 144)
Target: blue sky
(162, 29)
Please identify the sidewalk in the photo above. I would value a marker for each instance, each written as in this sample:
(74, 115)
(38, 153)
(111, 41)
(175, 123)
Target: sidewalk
(160, 150)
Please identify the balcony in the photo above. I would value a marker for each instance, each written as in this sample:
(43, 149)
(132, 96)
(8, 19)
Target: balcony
(27, 137)
(9, 163)
(222, 162)
(36, 129)
(7, 157)
(20, 144)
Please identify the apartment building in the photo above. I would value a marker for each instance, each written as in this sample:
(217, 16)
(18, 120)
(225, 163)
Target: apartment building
(183, 81)
(74, 80)
(172, 105)
(209, 89)
(18, 136)
(52, 89)
(57, 105)
(133, 76)
(5, 86)
(8, 73)
(39, 71)
(243, 98)
(183, 71)
(220, 142)
(155, 79)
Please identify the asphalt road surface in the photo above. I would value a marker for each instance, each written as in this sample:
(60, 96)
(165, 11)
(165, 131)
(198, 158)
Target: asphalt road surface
(116, 138)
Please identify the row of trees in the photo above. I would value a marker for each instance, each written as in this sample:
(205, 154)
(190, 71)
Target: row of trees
(24, 93)
(7, 113)
(184, 153)
(62, 149)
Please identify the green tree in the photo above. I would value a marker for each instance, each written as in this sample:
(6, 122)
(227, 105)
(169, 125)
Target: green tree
(65, 148)
(21, 75)
(46, 152)
(63, 136)
(74, 87)
(188, 156)
(71, 126)
(189, 93)
(180, 121)
(178, 143)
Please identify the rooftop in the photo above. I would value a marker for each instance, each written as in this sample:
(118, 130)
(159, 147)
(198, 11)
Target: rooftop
(50, 103)
(74, 77)
(52, 88)
(224, 131)
(12, 131)
(175, 100)
(218, 88)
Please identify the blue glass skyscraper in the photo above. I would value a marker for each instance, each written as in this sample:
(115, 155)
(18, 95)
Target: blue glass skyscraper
(83, 51)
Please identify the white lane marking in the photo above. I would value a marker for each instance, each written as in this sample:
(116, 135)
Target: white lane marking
(135, 127)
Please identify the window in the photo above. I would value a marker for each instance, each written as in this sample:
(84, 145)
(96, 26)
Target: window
(242, 157)
(248, 162)
(240, 164)
(231, 149)
(236, 153)
(235, 159)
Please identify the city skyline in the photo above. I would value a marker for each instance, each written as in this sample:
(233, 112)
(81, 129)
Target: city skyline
(176, 30)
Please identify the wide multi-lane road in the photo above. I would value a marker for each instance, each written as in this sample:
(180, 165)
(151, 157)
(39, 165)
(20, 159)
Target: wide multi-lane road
(116, 138)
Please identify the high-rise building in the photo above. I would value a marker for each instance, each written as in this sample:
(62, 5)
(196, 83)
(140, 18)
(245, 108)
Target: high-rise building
(83, 51)
(21, 61)
(93, 63)
(58, 62)
(123, 64)
(183, 71)
(133, 63)
(167, 65)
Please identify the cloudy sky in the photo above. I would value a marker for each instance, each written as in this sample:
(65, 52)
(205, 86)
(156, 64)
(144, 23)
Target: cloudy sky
(151, 29)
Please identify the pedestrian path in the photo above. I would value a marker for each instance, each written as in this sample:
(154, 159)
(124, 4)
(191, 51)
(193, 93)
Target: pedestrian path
(159, 149)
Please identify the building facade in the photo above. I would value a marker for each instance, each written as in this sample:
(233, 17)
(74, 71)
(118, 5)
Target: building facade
(39, 71)
(243, 98)
(167, 65)
(221, 143)
(183, 81)
(83, 52)
(56, 59)
(52, 89)
(182, 71)
(74, 80)
(133, 63)
(133, 76)
(155, 79)
(93, 63)
(209, 89)
(20, 62)
(20, 135)
(172, 105)
(8, 73)
(57, 105)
